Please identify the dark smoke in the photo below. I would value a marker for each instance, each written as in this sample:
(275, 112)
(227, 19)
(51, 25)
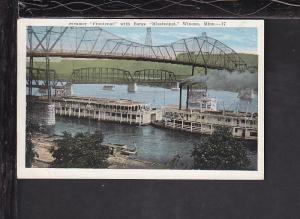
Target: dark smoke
(228, 81)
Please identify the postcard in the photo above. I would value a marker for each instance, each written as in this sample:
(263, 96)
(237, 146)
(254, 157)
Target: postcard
(140, 99)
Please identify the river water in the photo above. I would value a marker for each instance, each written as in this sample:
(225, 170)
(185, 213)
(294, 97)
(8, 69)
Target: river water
(153, 144)
(158, 96)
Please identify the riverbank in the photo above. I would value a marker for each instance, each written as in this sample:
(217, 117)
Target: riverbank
(125, 162)
(44, 142)
(42, 145)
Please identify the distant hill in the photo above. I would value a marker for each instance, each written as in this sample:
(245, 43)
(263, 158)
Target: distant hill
(250, 59)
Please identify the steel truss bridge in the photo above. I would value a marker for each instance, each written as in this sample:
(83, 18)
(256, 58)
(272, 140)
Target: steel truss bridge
(37, 77)
(91, 42)
(116, 76)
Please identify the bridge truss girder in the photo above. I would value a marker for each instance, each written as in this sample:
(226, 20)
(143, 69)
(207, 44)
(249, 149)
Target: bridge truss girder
(93, 42)
(115, 75)
(37, 78)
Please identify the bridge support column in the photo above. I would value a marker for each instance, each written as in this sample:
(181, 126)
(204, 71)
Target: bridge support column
(30, 74)
(193, 69)
(41, 113)
(132, 87)
(187, 96)
(180, 96)
(68, 89)
(48, 78)
(174, 85)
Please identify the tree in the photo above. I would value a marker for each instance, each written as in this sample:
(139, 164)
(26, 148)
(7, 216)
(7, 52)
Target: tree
(220, 151)
(84, 150)
(30, 151)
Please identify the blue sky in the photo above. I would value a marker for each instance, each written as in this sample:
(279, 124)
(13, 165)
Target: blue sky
(243, 39)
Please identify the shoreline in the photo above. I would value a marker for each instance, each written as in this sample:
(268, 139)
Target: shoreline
(44, 142)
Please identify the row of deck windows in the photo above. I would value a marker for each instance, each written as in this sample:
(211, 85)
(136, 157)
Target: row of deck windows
(243, 121)
(108, 114)
(97, 106)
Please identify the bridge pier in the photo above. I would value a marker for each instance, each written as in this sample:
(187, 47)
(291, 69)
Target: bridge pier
(41, 113)
(69, 89)
(132, 87)
(175, 85)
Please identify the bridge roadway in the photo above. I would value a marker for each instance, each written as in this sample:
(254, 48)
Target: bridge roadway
(122, 57)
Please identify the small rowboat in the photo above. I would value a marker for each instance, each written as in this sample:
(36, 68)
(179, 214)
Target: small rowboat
(108, 87)
(129, 151)
(123, 149)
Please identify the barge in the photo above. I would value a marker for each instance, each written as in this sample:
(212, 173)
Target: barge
(114, 110)
(242, 124)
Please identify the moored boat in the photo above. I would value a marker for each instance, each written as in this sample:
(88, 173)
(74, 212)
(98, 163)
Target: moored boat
(120, 149)
(108, 87)
(246, 94)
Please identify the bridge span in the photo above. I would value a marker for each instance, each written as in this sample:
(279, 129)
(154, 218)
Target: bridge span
(94, 42)
(37, 77)
(120, 76)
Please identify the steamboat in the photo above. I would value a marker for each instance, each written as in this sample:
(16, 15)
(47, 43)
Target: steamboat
(114, 110)
(202, 116)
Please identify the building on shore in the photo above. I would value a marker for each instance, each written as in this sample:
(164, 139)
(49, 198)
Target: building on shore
(115, 110)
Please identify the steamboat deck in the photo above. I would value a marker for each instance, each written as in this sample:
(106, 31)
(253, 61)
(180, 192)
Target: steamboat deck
(115, 110)
(242, 124)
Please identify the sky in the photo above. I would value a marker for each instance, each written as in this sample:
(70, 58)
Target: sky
(242, 39)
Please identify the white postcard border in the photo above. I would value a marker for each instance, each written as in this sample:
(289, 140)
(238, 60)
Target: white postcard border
(64, 173)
